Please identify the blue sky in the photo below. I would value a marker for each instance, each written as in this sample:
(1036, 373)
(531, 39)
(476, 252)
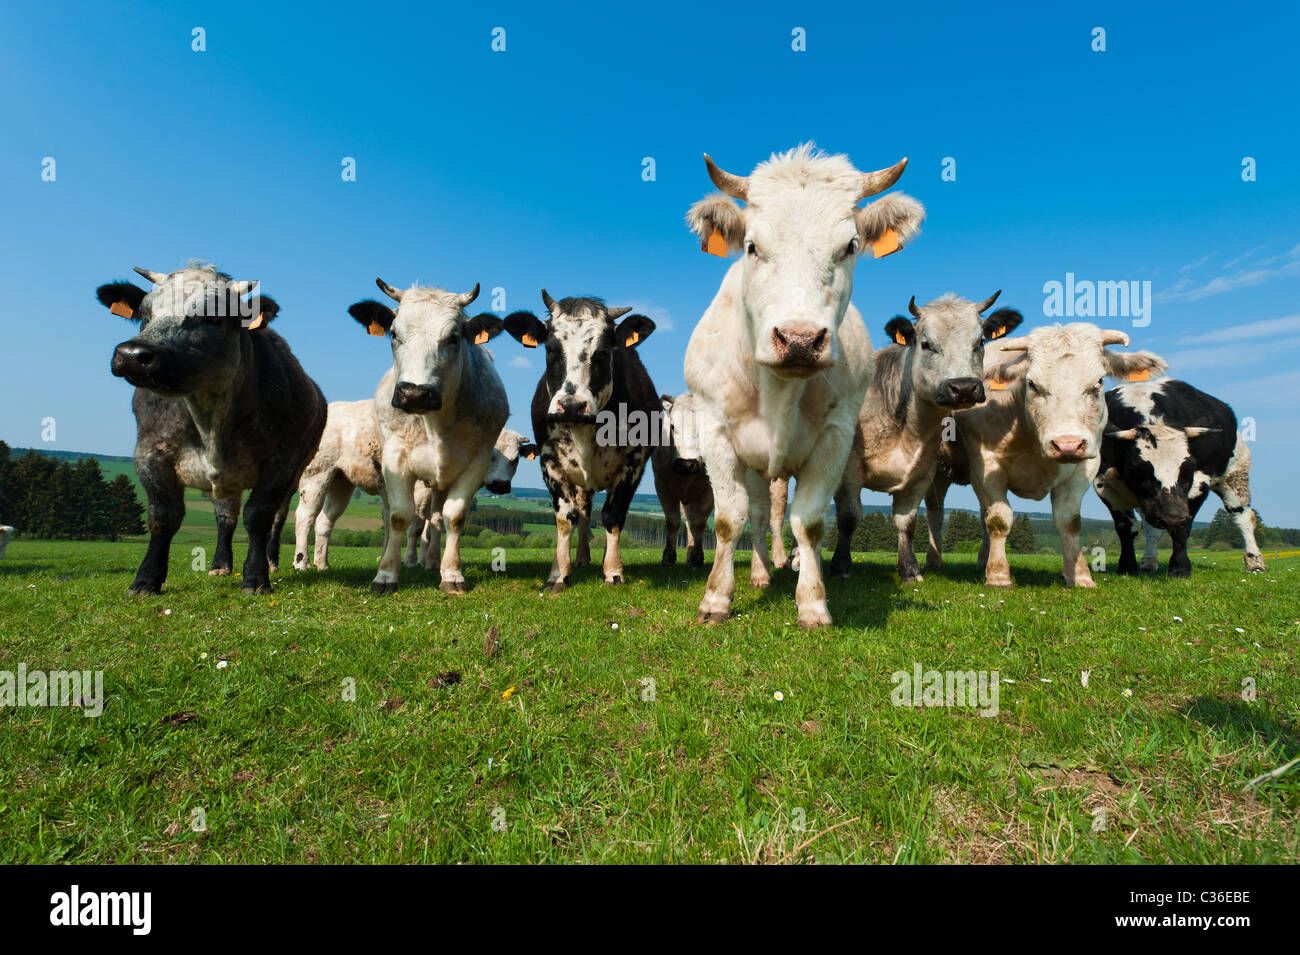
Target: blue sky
(523, 169)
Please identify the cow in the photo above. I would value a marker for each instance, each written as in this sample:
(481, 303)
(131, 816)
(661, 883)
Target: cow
(1040, 432)
(221, 405)
(6, 534)
(423, 546)
(780, 361)
(681, 481)
(594, 378)
(932, 369)
(440, 409)
(1169, 445)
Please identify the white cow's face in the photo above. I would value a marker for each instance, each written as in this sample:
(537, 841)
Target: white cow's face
(800, 234)
(683, 433)
(431, 338)
(510, 447)
(1060, 380)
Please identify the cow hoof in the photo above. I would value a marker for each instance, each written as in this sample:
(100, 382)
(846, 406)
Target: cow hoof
(997, 582)
(383, 588)
(1086, 583)
(454, 587)
(669, 559)
(760, 583)
(1255, 563)
(695, 560)
(1129, 570)
(143, 590)
(814, 621)
(934, 563)
(713, 616)
(1180, 571)
(273, 568)
(614, 581)
(555, 586)
(914, 579)
(219, 572)
(582, 562)
(250, 590)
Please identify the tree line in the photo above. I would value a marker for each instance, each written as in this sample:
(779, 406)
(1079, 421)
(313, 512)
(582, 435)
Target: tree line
(45, 497)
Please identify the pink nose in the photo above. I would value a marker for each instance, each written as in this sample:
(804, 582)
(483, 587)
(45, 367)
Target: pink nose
(1068, 447)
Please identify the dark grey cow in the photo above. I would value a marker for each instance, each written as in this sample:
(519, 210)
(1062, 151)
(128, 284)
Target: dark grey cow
(680, 480)
(220, 404)
(1168, 446)
(594, 417)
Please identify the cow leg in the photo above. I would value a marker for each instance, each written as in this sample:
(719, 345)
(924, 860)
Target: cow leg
(399, 510)
(759, 491)
(1066, 498)
(1150, 547)
(276, 535)
(997, 524)
(1180, 565)
(226, 511)
(431, 537)
(568, 501)
(906, 505)
(727, 473)
(264, 502)
(780, 494)
(1126, 532)
(848, 514)
(934, 498)
(614, 515)
(1234, 489)
(672, 526)
(455, 507)
(332, 505)
(415, 532)
(312, 490)
(166, 511)
(812, 494)
(697, 519)
(586, 500)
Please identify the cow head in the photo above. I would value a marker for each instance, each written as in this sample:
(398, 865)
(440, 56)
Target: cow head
(1058, 380)
(195, 328)
(510, 447)
(682, 433)
(431, 337)
(1156, 464)
(581, 337)
(946, 346)
(801, 231)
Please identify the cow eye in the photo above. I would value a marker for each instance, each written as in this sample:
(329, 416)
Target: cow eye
(1033, 387)
(751, 249)
(926, 346)
(453, 338)
(853, 246)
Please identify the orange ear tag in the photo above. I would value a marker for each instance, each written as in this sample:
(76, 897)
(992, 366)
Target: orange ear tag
(887, 244)
(1141, 375)
(121, 308)
(481, 337)
(530, 456)
(258, 322)
(898, 337)
(632, 339)
(528, 340)
(374, 328)
(997, 384)
(715, 244)
(999, 333)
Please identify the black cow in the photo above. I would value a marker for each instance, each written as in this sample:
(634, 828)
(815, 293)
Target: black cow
(681, 481)
(1167, 447)
(595, 418)
(220, 405)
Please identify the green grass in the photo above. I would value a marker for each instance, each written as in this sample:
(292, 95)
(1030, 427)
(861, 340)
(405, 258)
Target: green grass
(580, 768)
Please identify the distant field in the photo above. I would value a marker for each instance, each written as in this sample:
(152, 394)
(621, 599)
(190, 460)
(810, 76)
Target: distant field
(754, 743)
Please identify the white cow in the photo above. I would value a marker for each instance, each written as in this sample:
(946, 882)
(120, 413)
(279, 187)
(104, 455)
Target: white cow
(780, 361)
(1040, 432)
(440, 410)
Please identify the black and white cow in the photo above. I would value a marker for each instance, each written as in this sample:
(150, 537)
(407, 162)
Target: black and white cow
(1168, 446)
(681, 481)
(220, 404)
(594, 380)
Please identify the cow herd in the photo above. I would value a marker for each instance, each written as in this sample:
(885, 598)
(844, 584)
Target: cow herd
(783, 384)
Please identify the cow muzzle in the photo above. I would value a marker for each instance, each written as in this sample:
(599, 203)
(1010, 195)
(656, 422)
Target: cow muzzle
(139, 364)
(961, 393)
(687, 467)
(416, 399)
(570, 409)
(498, 487)
(800, 350)
(1069, 448)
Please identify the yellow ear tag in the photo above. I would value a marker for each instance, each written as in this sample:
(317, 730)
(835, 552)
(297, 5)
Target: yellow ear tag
(1141, 375)
(481, 337)
(530, 456)
(632, 339)
(528, 340)
(258, 322)
(898, 337)
(715, 244)
(374, 328)
(122, 309)
(999, 333)
(997, 384)
(887, 244)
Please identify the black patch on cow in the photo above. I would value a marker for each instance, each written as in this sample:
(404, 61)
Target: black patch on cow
(893, 379)
(122, 291)
(1002, 322)
(483, 322)
(369, 311)
(900, 327)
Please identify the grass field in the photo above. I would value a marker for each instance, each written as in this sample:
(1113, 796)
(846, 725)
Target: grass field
(549, 750)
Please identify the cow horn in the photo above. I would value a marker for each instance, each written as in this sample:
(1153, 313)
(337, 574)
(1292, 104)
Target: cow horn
(614, 313)
(1014, 344)
(1111, 336)
(393, 293)
(243, 288)
(469, 296)
(548, 301)
(155, 277)
(881, 179)
(988, 302)
(911, 307)
(735, 186)
(1129, 434)
(1195, 431)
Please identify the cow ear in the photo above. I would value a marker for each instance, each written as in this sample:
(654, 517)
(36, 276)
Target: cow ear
(898, 213)
(719, 223)
(526, 328)
(1000, 322)
(1000, 376)
(375, 316)
(267, 309)
(121, 298)
(900, 330)
(1133, 365)
(528, 451)
(483, 328)
(633, 330)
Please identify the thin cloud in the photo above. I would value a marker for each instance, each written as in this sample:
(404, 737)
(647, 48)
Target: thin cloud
(1184, 291)
(1226, 356)
(1251, 330)
(519, 361)
(660, 316)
